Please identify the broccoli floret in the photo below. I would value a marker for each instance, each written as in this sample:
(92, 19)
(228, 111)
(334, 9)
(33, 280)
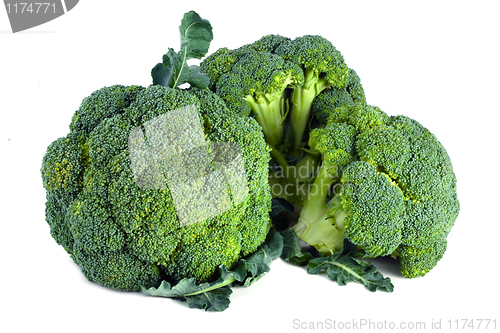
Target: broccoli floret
(336, 143)
(222, 60)
(123, 235)
(394, 190)
(276, 78)
(387, 185)
(323, 67)
(330, 99)
(257, 85)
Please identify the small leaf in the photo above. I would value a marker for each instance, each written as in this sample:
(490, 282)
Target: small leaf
(164, 73)
(215, 300)
(303, 259)
(257, 264)
(342, 268)
(291, 245)
(279, 205)
(214, 296)
(196, 35)
(194, 77)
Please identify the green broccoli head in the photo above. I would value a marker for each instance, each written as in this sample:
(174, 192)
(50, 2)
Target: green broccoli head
(277, 79)
(322, 62)
(123, 235)
(222, 60)
(331, 99)
(396, 196)
(323, 67)
(257, 85)
(423, 171)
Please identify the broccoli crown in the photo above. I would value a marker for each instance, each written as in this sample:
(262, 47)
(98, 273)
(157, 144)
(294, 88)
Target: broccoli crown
(318, 57)
(256, 85)
(419, 165)
(257, 77)
(418, 195)
(222, 60)
(336, 143)
(395, 188)
(359, 115)
(124, 236)
(329, 100)
(276, 79)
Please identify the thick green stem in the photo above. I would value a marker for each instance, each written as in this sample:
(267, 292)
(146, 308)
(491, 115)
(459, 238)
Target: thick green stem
(316, 226)
(301, 102)
(291, 182)
(270, 114)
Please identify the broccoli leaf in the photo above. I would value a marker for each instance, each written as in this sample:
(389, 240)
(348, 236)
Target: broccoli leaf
(344, 267)
(291, 245)
(214, 296)
(257, 264)
(196, 35)
(279, 207)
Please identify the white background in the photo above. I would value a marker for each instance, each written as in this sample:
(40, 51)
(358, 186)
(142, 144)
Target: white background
(434, 61)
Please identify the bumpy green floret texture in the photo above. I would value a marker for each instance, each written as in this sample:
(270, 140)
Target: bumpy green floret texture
(124, 236)
(221, 61)
(398, 191)
(336, 143)
(420, 166)
(276, 79)
(328, 100)
(374, 209)
(257, 85)
(257, 78)
(319, 58)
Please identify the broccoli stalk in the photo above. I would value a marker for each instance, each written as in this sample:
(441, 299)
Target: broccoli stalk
(301, 100)
(321, 224)
(269, 113)
(323, 68)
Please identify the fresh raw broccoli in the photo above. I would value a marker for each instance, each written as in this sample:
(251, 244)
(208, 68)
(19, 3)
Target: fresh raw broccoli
(276, 79)
(162, 189)
(385, 183)
(222, 60)
(124, 236)
(356, 173)
(330, 99)
(262, 79)
(323, 67)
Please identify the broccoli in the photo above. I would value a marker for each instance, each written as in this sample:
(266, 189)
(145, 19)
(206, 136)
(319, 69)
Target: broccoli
(323, 67)
(124, 227)
(330, 99)
(262, 79)
(124, 236)
(385, 183)
(367, 184)
(276, 80)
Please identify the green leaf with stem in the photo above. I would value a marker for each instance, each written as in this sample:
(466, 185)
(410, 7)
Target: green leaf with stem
(196, 35)
(214, 296)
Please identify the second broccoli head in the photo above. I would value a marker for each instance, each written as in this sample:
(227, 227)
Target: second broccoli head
(385, 183)
(124, 236)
